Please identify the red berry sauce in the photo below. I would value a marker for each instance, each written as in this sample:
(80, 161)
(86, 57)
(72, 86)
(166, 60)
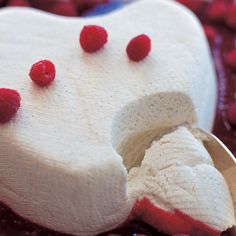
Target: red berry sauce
(210, 33)
(231, 114)
(230, 59)
(221, 33)
(193, 5)
(217, 11)
(67, 8)
(231, 16)
(19, 3)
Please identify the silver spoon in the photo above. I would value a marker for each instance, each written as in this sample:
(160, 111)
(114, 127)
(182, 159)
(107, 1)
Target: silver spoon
(224, 161)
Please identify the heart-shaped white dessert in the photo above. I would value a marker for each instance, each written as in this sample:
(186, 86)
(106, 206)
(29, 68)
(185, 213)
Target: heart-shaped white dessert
(62, 157)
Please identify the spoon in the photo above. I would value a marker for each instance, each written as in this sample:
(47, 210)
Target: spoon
(224, 161)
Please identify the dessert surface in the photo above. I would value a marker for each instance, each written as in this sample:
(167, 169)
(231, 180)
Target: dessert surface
(39, 231)
(109, 107)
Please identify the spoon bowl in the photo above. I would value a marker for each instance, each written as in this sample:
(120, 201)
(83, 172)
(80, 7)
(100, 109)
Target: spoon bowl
(224, 161)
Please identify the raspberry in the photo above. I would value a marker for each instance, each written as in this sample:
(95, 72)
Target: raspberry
(93, 38)
(9, 104)
(64, 9)
(19, 3)
(231, 16)
(210, 33)
(139, 47)
(216, 11)
(43, 73)
(193, 5)
(231, 59)
(231, 114)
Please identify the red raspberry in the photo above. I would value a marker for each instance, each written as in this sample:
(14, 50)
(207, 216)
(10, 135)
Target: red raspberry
(93, 38)
(43, 73)
(217, 11)
(139, 47)
(231, 16)
(210, 33)
(231, 59)
(18, 3)
(9, 104)
(64, 9)
(232, 114)
(193, 5)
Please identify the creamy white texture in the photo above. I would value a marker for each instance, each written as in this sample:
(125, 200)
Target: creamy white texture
(59, 164)
(178, 173)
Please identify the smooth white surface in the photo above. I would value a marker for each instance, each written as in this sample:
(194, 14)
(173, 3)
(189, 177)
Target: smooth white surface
(58, 161)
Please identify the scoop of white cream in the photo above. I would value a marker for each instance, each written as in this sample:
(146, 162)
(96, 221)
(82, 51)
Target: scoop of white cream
(177, 172)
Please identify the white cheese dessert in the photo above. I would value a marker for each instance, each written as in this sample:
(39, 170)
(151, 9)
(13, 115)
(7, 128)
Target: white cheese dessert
(65, 157)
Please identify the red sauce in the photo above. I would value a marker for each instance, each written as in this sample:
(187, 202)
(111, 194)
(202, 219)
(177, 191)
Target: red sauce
(225, 42)
(12, 225)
